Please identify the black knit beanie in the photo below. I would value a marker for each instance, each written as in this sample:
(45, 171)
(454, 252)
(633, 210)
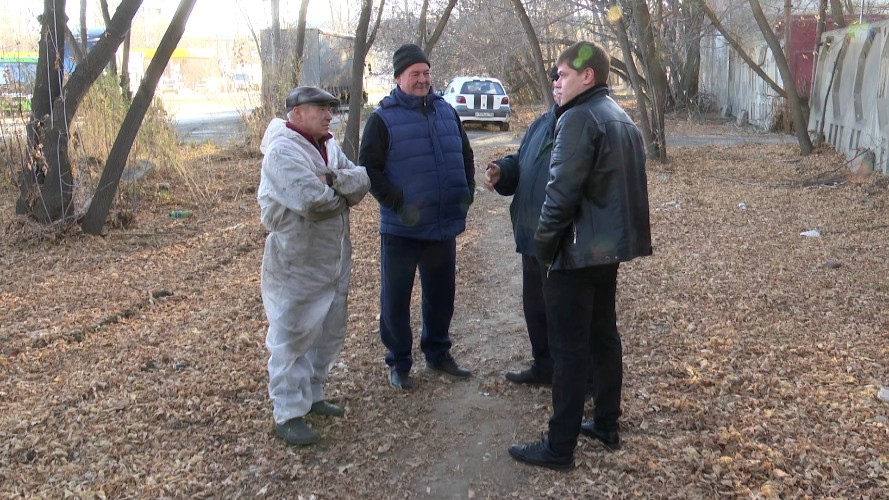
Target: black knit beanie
(406, 55)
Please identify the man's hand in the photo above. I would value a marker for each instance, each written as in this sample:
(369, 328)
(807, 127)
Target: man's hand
(326, 179)
(492, 176)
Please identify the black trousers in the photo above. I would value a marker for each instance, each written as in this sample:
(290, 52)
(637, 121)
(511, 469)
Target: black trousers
(534, 308)
(399, 260)
(583, 339)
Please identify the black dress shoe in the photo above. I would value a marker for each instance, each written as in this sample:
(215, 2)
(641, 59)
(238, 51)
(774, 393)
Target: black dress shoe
(400, 379)
(529, 377)
(609, 439)
(539, 454)
(450, 367)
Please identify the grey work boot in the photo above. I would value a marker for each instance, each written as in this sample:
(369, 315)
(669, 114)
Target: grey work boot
(297, 431)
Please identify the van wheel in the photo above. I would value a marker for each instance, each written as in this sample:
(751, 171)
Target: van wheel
(504, 126)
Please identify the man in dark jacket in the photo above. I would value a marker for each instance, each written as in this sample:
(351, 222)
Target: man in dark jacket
(523, 175)
(422, 173)
(594, 216)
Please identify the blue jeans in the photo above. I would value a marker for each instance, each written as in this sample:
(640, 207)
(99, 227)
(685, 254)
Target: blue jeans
(399, 260)
(583, 339)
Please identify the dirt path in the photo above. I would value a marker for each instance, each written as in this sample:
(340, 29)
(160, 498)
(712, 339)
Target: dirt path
(460, 430)
(477, 420)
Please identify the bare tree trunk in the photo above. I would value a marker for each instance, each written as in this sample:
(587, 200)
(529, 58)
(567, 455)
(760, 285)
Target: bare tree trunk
(83, 30)
(276, 25)
(421, 25)
(429, 44)
(691, 28)
(299, 49)
(652, 148)
(796, 106)
(52, 201)
(48, 82)
(816, 55)
(836, 11)
(125, 73)
(125, 70)
(542, 76)
(271, 61)
(86, 74)
(72, 43)
(654, 72)
(125, 57)
(373, 32)
(123, 143)
(819, 30)
(356, 93)
(47, 89)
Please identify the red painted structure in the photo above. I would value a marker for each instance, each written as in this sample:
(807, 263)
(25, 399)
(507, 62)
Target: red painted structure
(801, 56)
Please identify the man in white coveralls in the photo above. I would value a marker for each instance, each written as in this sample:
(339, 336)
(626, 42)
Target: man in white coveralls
(306, 188)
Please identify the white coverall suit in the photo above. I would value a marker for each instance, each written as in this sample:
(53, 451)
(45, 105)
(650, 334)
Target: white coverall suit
(307, 263)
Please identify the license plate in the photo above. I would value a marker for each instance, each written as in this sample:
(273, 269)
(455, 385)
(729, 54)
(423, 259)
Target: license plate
(481, 114)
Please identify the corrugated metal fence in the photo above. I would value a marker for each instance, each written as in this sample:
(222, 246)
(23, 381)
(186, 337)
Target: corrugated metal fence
(850, 98)
(850, 101)
(734, 87)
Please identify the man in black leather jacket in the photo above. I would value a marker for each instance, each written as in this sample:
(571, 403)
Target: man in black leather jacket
(595, 216)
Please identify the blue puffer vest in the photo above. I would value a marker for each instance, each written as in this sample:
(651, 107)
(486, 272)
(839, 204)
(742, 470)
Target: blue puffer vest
(425, 160)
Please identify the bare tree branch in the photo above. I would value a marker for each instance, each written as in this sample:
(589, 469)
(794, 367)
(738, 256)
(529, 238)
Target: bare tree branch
(439, 27)
(373, 34)
(421, 28)
(800, 124)
(836, 10)
(540, 71)
(740, 50)
(123, 143)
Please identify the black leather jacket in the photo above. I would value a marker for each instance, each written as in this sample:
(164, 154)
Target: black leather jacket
(596, 206)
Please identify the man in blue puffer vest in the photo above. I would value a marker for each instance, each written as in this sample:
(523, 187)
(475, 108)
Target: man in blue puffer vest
(421, 170)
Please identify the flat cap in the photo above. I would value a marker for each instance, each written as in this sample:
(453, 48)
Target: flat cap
(309, 95)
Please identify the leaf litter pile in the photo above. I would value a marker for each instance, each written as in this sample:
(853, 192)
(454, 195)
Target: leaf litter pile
(133, 365)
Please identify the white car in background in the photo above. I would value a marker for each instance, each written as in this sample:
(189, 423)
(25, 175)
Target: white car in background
(479, 100)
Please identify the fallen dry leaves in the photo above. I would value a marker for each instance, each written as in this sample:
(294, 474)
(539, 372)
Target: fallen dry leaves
(134, 365)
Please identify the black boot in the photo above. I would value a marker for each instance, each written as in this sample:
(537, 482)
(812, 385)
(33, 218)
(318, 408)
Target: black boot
(400, 379)
(610, 439)
(450, 367)
(540, 454)
(530, 377)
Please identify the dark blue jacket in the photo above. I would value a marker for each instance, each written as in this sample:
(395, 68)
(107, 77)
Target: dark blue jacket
(523, 175)
(427, 170)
